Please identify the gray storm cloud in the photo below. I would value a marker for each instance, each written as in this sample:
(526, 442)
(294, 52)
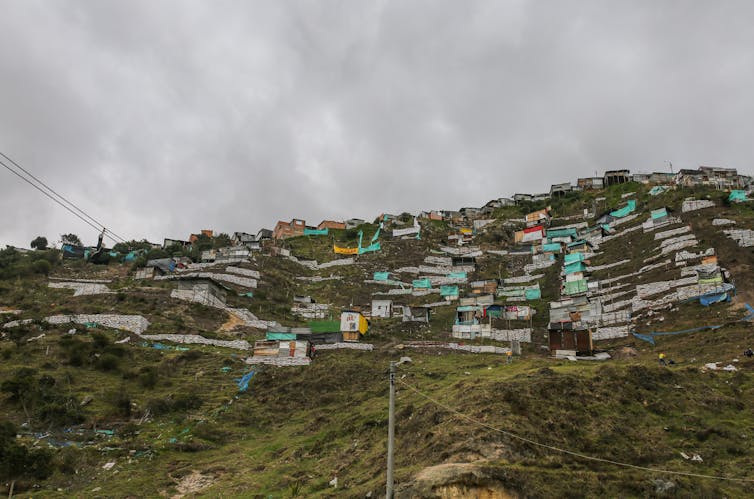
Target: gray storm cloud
(162, 118)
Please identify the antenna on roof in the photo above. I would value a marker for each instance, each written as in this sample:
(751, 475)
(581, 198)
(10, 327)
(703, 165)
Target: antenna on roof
(670, 164)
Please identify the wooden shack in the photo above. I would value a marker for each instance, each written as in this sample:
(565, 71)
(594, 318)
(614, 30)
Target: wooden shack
(353, 325)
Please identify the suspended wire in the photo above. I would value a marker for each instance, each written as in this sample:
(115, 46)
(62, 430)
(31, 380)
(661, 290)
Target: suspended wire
(59, 195)
(57, 201)
(566, 451)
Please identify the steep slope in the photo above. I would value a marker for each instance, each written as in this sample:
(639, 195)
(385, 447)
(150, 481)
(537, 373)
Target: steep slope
(171, 418)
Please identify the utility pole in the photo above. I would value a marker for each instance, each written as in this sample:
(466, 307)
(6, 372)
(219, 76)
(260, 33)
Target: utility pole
(390, 433)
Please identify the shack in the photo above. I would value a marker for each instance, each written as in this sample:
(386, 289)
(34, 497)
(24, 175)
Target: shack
(283, 348)
(569, 339)
(382, 308)
(353, 325)
(416, 314)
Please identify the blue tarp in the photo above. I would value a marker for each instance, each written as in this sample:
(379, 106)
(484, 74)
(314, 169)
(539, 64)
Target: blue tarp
(551, 248)
(711, 298)
(650, 337)
(243, 383)
(750, 315)
(381, 276)
(315, 232)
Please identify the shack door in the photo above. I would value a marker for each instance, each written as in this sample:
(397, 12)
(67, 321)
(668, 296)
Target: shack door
(569, 340)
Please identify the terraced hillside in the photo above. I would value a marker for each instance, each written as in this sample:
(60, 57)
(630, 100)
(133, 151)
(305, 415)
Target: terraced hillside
(125, 387)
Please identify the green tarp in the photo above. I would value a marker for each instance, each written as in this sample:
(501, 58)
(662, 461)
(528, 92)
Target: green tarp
(737, 196)
(281, 336)
(657, 214)
(572, 268)
(574, 257)
(468, 308)
(448, 290)
(421, 283)
(711, 280)
(626, 210)
(575, 287)
(315, 232)
(381, 276)
(561, 233)
(457, 275)
(551, 248)
(375, 246)
(533, 294)
(658, 189)
(580, 242)
(369, 249)
(324, 326)
(131, 256)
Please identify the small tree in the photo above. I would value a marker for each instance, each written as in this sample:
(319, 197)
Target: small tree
(16, 461)
(40, 243)
(71, 239)
(221, 241)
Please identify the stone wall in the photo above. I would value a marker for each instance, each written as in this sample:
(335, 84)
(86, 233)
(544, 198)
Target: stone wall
(133, 323)
(82, 288)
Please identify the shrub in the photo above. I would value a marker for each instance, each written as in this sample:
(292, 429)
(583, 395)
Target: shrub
(148, 377)
(108, 362)
(120, 401)
(181, 403)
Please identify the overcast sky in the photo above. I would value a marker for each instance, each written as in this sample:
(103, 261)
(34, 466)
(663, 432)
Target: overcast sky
(161, 118)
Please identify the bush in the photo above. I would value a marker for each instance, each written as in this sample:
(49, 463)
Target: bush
(128, 431)
(42, 398)
(120, 401)
(148, 377)
(108, 362)
(181, 403)
(16, 461)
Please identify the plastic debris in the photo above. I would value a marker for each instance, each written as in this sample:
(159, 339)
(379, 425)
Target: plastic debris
(108, 466)
(243, 383)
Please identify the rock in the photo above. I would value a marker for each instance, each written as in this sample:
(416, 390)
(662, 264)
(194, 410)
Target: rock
(663, 486)
(625, 353)
(457, 480)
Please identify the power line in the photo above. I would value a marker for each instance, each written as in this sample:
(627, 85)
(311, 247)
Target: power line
(57, 201)
(59, 195)
(566, 451)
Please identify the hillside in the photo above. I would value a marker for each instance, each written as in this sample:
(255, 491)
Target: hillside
(131, 387)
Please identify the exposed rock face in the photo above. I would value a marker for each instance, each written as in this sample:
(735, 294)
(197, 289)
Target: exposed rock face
(456, 481)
